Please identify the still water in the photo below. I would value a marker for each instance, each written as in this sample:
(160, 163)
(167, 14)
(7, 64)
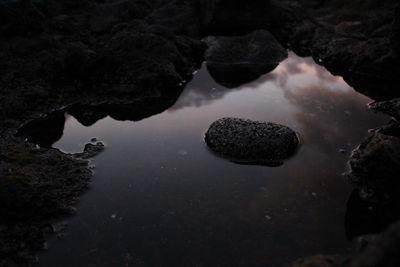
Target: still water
(160, 198)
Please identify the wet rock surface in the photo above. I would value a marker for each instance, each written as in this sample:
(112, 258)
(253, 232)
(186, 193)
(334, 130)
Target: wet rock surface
(251, 142)
(91, 150)
(36, 185)
(233, 61)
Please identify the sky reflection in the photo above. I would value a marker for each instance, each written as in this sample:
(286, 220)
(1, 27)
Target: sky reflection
(160, 198)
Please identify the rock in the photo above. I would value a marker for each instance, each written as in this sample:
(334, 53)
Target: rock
(363, 217)
(146, 56)
(369, 251)
(375, 163)
(36, 186)
(391, 107)
(251, 142)
(334, 36)
(238, 17)
(395, 36)
(44, 131)
(378, 250)
(375, 167)
(20, 18)
(179, 16)
(105, 16)
(91, 150)
(233, 61)
(76, 63)
(319, 261)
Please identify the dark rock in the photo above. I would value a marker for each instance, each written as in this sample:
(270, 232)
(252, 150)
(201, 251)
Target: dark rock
(319, 261)
(378, 250)
(76, 63)
(233, 61)
(238, 17)
(335, 33)
(44, 131)
(369, 251)
(36, 185)
(395, 36)
(364, 217)
(87, 115)
(181, 17)
(391, 107)
(105, 16)
(20, 18)
(374, 167)
(147, 57)
(91, 150)
(251, 142)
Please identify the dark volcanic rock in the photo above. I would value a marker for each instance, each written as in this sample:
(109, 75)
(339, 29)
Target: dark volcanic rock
(365, 217)
(391, 107)
(369, 251)
(319, 261)
(151, 57)
(395, 36)
(44, 131)
(375, 167)
(36, 185)
(252, 142)
(91, 150)
(378, 250)
(233, 61)
(336, 32)
(238, 17)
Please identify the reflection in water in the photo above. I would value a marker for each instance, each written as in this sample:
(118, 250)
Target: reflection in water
(44, 131)
(159, 198)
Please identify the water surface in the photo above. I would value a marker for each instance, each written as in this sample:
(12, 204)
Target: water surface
(160, 198)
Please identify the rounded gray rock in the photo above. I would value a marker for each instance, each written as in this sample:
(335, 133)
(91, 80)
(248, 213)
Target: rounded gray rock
(251, 142)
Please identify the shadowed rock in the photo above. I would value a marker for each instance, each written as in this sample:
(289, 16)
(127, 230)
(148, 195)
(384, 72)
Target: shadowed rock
(375, 166)
(44, 131)
(391, 107)
(233, 61)
(363, 217)
(319, 261)
(369, 251)
(251, 142)
(91, 150)
(378, 250)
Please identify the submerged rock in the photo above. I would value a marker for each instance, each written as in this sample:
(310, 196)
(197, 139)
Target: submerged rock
(251, 142)
(91, 150)
(233, 61)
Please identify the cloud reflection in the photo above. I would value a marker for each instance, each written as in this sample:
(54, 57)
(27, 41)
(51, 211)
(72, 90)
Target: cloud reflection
(203, 90)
